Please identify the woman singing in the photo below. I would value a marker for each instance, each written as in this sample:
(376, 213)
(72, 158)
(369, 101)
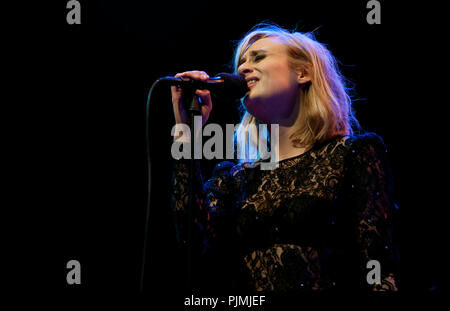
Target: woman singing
(314, 222)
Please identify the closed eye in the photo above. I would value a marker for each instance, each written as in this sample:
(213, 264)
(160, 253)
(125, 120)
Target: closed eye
(259, 57)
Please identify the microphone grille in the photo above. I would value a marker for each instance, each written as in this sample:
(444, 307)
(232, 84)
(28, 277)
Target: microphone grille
(234, 86)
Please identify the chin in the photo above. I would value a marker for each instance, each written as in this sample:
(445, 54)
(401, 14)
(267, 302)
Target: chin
(255, 110)
(250, 104)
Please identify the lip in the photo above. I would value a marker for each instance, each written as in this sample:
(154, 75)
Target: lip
(248, 79)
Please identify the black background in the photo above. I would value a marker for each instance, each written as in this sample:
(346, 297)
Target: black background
(85, 130)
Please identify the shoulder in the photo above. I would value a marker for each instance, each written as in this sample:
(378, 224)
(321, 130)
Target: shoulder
(349, 146)
(366, 144)
(366, 152)
(228, 169)
(351, 143)
(222, 169)
(225, 176)
(356, 143)
(231, 170)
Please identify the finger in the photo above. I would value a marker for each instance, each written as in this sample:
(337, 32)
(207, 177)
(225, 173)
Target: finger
(203, 94)
(195, 75)
(205, 97)
(203, 75)
(174, 87)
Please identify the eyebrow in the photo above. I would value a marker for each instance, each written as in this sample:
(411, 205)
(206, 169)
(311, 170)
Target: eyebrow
(252, 53)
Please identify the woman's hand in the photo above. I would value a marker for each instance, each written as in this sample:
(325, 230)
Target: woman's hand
(179, 110)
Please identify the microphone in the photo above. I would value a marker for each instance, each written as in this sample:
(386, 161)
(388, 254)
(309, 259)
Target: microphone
(223, 85)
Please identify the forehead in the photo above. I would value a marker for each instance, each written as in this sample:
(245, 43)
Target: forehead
(270, 44)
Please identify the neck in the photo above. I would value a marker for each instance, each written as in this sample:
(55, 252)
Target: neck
(287, 127)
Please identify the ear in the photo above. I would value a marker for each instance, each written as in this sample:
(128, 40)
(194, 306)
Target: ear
(303, 75)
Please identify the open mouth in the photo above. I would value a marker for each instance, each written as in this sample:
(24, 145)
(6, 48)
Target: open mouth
(251, 82)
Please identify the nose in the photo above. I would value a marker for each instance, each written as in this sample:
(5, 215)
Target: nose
(244, 69)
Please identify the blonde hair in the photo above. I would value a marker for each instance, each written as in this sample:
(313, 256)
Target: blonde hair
(326, 106)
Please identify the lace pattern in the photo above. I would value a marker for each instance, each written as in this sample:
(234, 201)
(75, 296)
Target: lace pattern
(313, 222)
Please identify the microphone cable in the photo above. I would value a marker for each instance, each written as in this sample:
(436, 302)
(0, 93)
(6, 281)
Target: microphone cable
(234, 84)
(149, 184)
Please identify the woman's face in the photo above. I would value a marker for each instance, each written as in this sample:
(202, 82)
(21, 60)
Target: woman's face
(273, 85)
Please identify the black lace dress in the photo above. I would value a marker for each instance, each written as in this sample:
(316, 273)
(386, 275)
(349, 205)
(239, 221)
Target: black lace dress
(312, 224)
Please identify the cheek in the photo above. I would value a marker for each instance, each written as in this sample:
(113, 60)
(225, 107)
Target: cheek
(278, 79)
(273, 99)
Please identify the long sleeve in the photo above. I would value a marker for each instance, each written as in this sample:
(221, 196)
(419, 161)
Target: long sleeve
(369, 191)
(211, 206)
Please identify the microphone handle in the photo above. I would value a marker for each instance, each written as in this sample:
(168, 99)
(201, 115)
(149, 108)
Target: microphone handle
(191, 83)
